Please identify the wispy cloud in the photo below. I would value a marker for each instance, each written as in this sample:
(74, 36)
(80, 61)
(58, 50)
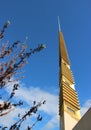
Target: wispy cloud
(9, 119)
(85, 107)
(52, 124)
(28, 95)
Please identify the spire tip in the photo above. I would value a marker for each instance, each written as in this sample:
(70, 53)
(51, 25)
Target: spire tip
(59, 28)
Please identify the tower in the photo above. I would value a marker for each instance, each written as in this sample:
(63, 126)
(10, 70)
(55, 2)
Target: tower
(69, 109)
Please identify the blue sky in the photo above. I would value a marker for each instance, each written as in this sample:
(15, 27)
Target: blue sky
(38, 20)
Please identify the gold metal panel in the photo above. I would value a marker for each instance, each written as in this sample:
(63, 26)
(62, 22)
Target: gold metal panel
(62, 47)
(66, 72)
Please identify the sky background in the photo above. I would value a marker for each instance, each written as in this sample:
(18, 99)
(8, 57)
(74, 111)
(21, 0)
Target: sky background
(38, 21)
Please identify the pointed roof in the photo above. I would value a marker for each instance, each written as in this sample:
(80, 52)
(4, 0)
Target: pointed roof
(62, 49)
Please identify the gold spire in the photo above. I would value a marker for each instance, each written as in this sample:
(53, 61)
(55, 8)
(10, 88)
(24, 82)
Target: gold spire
(69, 108)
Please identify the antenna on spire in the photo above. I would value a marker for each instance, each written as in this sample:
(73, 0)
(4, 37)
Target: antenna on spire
(59, 28)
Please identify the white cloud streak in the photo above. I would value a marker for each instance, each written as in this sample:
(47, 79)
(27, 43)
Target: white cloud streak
(8, 119)
(50, 108)
(85, 107)
(28, 95)
(36, 94)
(52, 124)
